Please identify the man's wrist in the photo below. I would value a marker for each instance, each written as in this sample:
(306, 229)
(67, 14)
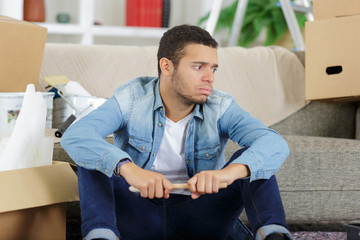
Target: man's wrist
(118, 166)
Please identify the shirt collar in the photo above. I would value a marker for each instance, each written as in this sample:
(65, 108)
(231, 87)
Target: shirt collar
(158, 101)
(198, 111)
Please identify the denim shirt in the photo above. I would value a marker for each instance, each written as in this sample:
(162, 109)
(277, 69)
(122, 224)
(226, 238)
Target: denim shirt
(135, 115)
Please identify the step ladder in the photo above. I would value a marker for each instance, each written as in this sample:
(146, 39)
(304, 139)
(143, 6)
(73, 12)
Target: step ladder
(288, 9)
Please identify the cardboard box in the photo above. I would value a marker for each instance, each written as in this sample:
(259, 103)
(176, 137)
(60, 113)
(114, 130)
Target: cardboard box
(21, 51)
(323, 9)
(33, 201)
(332, 59)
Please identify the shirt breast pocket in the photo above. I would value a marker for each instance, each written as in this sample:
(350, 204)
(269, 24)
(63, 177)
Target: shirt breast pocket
(206, 158)
(138, 149)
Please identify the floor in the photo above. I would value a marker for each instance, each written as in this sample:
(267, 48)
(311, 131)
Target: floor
(73, 233)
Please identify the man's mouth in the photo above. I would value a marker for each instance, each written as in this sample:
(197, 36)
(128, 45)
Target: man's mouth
(205, 91)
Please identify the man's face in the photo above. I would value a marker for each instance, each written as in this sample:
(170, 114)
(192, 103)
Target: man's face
(192, 80)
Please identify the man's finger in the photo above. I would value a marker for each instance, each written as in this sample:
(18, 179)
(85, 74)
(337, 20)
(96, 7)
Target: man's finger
(159, 190)
(192, 184)
(151, 191)
(144, 192)
(209, 183)
(200, 184)
(167, 187)
(195, 195)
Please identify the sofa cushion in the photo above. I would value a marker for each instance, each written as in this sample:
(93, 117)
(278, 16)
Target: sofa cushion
(320, 180)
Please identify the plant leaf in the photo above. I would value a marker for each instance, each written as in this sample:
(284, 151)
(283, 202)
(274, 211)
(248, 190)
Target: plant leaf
(259, 14)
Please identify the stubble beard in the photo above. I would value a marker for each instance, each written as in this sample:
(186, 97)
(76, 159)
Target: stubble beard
(177, 83)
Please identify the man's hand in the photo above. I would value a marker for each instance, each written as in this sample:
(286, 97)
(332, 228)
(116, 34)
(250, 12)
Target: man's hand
(209, 181)
(150, 184)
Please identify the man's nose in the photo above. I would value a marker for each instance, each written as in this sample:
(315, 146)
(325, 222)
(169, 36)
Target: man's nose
(208, 75)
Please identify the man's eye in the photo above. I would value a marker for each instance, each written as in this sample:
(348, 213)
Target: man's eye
(213, 70)
(198, 67)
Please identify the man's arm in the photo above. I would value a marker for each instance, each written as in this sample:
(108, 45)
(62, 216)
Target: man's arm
(266, 152)
(85, 143)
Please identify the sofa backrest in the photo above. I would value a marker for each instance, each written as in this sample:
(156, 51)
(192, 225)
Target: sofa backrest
(268, 82)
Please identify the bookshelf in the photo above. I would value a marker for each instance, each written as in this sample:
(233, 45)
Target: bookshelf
(111, 14)
(87, 31)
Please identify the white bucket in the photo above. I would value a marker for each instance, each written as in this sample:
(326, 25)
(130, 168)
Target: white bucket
(10, 105)
(84, 105)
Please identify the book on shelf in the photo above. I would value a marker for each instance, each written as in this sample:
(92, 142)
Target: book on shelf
(166, 13)
(144, 13)
(131, 12)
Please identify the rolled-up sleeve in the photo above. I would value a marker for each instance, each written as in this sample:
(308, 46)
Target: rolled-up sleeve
(85, 142)
(267, 150)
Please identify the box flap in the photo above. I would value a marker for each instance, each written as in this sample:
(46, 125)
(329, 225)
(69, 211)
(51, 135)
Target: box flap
(21, 51)
(323, 9)
(39, 186)
(16, 21)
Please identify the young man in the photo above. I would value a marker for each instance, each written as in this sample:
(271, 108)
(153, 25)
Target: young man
(174, 128)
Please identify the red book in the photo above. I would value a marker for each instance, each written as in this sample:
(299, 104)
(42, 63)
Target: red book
(132, 12)
(156, 13)
(142, 13)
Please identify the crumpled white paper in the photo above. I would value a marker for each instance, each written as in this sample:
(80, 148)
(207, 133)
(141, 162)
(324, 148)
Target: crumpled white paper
(27, 145)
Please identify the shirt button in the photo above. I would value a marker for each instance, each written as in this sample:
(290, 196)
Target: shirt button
(83, 164)
(187, 162)
(154, 154)
(142, 147)
(160, 124)
(106, 170)
(161, 109)
(207, 154)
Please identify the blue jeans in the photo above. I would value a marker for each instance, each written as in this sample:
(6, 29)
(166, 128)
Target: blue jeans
(110, 210)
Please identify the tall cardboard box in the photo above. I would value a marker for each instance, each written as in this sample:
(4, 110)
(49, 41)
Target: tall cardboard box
(323, 9)
(33, 202)
(332, 58)
(21, 51)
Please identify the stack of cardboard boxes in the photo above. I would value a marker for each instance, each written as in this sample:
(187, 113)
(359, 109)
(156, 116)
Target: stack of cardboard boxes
(32, 200)
(333, 51)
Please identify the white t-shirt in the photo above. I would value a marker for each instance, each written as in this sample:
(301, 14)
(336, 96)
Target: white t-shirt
(170, 158)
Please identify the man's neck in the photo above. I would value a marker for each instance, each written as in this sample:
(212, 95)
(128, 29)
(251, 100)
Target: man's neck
(176, 113)
(175, 109)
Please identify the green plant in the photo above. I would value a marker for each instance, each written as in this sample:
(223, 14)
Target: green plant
(259, 14)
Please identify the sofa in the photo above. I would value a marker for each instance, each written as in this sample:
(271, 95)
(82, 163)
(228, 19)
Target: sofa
(319, 181)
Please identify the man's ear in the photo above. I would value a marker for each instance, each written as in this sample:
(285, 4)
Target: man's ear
(166, 66)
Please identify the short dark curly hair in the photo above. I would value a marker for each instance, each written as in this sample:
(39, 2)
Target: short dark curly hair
(174, 40)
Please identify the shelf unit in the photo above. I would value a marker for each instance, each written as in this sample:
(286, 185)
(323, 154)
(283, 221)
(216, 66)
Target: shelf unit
(83, 13)
(88, 31)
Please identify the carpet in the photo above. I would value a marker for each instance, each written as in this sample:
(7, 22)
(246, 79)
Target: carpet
(319, 235)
